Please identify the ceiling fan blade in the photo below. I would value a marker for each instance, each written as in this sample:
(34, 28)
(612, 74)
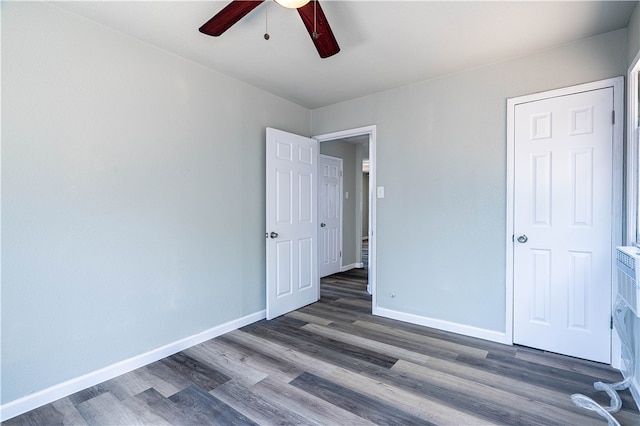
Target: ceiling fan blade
(228, 16)
(319, 29)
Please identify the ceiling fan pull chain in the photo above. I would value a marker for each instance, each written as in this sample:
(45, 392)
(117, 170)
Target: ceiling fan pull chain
(315, 20)
(266, 21)
(312, 15)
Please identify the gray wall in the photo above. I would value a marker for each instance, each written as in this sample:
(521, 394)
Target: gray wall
(633, 35)
(441, 156)
(132, 197)
(346, 151)
(133, 200)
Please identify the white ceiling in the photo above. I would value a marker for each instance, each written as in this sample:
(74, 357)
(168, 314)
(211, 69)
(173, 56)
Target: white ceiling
(384, 44)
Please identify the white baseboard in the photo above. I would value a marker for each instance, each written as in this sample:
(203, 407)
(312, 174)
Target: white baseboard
(346, 268)
(53, 393)
(466, 330)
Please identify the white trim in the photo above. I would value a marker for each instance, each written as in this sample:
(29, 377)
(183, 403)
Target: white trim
(452, 327)
(346, 268)
(371, 132)
(61, 390)
(617, 84)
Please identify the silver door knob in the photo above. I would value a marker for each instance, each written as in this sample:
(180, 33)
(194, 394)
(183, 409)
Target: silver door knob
(523, 239)
(273, 235)
(322, 225)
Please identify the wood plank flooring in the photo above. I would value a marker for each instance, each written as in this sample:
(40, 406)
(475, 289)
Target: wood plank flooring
(333, 363)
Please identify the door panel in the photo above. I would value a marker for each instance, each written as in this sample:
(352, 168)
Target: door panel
(291, 202)
(562, 220)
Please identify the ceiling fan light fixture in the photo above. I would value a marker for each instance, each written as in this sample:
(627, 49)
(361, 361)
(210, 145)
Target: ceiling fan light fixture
(292, 4)
(310, 12)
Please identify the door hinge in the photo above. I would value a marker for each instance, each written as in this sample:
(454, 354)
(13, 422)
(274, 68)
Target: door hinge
(613, 117)
(340, 253)
(611, 323)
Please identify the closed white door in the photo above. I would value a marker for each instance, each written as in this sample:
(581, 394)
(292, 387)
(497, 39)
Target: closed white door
(330, 215)
(291, 225)
(562, 222)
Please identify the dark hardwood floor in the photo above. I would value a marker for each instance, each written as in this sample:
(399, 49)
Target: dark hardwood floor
(333, 363)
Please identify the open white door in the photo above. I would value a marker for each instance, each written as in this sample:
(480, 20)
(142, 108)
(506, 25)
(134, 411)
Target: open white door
(330, 215)
(292, 269)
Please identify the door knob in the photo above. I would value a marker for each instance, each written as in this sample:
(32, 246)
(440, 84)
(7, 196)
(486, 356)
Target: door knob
(523, 239)
(273, 235)
(322, 225)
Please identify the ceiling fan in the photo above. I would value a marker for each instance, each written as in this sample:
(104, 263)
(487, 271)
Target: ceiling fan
(310, 11)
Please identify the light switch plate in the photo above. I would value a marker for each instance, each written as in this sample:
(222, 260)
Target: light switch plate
(380, 192)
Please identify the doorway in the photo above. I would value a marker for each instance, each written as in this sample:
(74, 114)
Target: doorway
(564, 218)
(361, 136)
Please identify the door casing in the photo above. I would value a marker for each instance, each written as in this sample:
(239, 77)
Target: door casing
(616, 209)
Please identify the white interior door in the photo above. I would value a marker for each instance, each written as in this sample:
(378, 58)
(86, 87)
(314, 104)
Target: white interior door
(330, 215)
(291, 200)
(562, 223)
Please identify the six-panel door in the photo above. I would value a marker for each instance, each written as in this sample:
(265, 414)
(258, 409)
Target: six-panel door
(562, 223)
(291, 225)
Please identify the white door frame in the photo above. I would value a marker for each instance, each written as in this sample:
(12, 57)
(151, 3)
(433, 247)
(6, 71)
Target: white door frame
(616, 209)
(369, 131)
